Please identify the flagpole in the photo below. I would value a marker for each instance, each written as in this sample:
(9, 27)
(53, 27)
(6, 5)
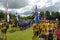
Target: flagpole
(44, 17)
(7, 15)
(6, 10)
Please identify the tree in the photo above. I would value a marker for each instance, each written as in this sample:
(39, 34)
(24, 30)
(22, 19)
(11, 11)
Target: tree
(19, 17)
(42, 14)
(1, 14)
(58, 15)
(12, 16)
(47, 14)
(53, 15)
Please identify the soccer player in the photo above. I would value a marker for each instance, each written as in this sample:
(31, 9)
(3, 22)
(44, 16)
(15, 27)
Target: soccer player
(0, 31)
(36, 32)
(50, 33)
(3, 30)
(13, 26)
(43, 32)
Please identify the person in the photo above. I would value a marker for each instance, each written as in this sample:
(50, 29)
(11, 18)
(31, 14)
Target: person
(16, 22)
(13, 26)
(47, 24)
(52, 25)
(36, 32)
(43, 32)
(50, 36)
(57, 32)
(40, 24)
(3, 30)
(0, 30)
(56, 24)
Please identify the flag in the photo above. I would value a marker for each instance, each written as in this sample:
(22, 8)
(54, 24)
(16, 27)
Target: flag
(16, 16)
(36, 15)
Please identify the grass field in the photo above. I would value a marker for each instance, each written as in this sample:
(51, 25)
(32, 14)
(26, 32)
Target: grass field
(20, 35)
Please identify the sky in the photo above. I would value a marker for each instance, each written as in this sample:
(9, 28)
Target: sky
(25, 7)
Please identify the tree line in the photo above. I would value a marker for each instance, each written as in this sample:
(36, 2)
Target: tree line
(49, 15)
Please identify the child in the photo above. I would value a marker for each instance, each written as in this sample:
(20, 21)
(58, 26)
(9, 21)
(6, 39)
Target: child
(50, 36)
(43, 32)
(3, 30)
(36, 32)
(58, 31)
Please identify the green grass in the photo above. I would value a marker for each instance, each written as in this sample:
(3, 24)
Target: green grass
(20, 35)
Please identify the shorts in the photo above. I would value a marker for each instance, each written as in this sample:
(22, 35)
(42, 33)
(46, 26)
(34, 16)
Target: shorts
(50, 37)
(14, 26)
(36, 33)
(43, 36)
(4, 31)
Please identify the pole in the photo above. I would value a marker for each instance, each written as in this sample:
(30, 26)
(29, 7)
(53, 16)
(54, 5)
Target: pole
(7, 15)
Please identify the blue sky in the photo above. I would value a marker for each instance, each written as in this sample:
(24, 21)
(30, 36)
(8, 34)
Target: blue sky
(25, 7)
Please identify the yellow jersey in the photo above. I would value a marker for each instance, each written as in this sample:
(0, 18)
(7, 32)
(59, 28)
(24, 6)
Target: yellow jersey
(52, 25)
(3, 27)
(43, 29)
(46, 25)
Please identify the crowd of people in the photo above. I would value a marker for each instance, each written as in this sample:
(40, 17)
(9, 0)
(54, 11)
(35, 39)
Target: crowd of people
(44, 30)
(4, 25)
(47, 30)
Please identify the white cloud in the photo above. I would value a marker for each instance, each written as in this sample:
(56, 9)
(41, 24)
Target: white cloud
(1, 7)
(31, 4)
(59, 10)
(55, 1)
(24, 9)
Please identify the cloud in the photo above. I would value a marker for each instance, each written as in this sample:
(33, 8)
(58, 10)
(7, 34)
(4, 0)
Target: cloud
(15, 3)
(1, 6)
(25, 7)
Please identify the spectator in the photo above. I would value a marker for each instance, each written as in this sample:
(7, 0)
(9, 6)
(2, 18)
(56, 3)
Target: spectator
(50, 36)
(58, 32)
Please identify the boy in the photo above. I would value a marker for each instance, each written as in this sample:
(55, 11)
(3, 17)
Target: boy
(36, 32)
(3, 30)
(43, 32)
(50, 36)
